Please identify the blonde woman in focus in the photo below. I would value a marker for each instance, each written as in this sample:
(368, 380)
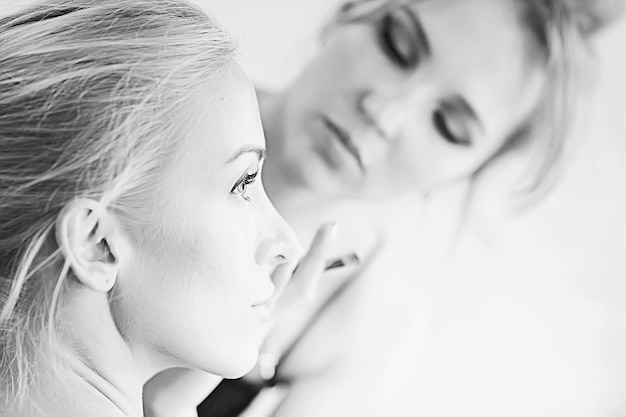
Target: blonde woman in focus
(135, 233)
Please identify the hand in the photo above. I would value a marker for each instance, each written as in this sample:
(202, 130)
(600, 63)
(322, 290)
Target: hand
(294, 301)
(299, 283)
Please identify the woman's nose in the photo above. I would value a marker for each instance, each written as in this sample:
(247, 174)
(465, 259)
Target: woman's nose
(384, 112)
(279, 243)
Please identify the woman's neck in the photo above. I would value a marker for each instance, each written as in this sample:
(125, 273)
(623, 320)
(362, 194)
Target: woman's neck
(100, 375)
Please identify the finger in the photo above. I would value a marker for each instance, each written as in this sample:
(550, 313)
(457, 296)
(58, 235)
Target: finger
(324, 238)
(303, 278)
(311, 267)
(281, 277)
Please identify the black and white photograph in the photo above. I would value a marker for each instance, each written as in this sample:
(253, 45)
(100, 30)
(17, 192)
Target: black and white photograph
(330, 208)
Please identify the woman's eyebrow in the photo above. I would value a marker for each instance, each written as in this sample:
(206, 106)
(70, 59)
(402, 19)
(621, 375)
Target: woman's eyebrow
(260, 152)
(421, 38)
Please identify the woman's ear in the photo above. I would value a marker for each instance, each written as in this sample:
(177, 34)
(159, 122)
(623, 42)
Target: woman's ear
(87, 235)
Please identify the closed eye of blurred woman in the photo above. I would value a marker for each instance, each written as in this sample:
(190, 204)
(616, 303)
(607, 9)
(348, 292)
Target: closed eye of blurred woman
(452, 125)
(401, 38)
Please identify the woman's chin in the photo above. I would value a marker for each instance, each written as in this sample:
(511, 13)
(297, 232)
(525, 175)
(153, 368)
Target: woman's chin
(237, 371)
(236, 366)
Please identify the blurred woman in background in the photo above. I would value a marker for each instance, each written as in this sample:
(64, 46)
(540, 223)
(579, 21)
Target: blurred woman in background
(442, 90)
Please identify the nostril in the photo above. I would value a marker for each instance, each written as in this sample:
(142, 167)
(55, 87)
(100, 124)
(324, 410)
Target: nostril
(375, 115)
(363, 106)
(281, 259)
(281, 246)
(270, 254)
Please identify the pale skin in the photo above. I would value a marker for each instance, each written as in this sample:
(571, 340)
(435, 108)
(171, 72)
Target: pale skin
(376, 357)
(306, 183)
(176, 392)
(128, 316)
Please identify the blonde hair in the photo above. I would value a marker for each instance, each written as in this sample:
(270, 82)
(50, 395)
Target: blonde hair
(561, 29)
(90, 106)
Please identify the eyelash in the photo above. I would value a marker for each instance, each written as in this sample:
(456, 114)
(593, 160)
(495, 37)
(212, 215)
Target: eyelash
(439, 120)
(241, 187)
(389, 46)
(410, 61)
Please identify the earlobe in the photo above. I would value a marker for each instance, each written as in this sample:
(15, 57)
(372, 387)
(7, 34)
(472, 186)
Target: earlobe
(86, 237)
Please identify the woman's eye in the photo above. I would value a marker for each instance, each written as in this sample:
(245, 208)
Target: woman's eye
(398, 40)
(444, 128)
(241, 186)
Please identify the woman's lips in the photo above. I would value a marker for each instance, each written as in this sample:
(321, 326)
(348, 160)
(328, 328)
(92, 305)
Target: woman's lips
(261, 304)
(345, 139)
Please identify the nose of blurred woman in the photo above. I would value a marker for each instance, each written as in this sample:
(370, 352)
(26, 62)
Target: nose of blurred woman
(384, 112)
